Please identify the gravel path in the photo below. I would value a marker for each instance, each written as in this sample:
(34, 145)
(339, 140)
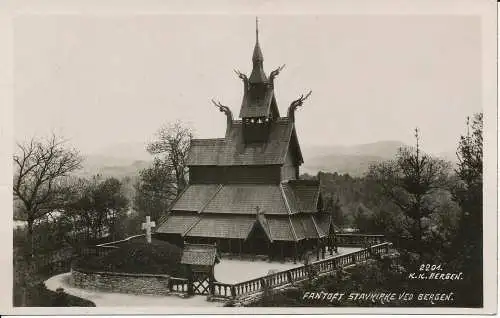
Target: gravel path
(106, 299)
(227, 271)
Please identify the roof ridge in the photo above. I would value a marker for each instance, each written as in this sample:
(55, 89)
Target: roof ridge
(316, 226)
(191, 226)
(283, 194)
(292, 228)
(211, 198)
(199, 244)
(169, 209)
(207, 139)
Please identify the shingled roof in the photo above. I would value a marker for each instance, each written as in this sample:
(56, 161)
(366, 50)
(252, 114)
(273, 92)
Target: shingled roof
(244, 198)
(257, 101)
(177, 223)
(302, 195)
(222, 226)
(194, 197)
(232, 150)
(199, 254)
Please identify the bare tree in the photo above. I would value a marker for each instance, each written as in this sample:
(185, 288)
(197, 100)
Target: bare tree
(409, 181)
(172, 142)
(38, 182)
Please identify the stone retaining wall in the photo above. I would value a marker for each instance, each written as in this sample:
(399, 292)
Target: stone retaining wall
(121, 282)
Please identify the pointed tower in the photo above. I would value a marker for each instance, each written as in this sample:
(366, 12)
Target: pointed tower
(258, 108)
(258, 75)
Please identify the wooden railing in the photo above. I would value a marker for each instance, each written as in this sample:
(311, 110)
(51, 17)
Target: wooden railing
(359, 240)
(299, 273)
(223, 290)
(178, 284)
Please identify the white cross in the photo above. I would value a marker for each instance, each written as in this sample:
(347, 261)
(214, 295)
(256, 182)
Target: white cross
(147, 226)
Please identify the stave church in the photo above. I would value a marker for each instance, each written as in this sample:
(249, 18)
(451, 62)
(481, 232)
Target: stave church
(244, 192)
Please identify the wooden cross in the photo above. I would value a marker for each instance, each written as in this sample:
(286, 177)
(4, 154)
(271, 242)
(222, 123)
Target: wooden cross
(258, 210)
(147, 226)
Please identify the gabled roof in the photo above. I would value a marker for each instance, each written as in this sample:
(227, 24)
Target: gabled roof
(232, 150)
(262, 224)
(302, 195)
(199, 254)
(257, 101)
(277, 227)
(305, 227)
(290, 197)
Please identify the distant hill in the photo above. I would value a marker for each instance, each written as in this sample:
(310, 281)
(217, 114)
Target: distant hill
(112, 167)
(118, 160)
(354, 160)
(127, 159)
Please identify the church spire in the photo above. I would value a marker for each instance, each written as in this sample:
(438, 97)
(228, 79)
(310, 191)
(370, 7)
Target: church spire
(258, 75)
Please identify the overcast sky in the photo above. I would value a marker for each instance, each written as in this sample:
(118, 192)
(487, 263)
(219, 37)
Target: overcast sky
(106, 80)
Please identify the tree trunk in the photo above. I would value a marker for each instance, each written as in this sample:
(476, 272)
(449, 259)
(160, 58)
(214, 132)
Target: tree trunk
(31, 247)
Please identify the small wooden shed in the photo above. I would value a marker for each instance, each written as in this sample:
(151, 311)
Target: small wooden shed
(200, 260)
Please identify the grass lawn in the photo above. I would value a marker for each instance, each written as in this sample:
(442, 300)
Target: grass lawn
(138, 257)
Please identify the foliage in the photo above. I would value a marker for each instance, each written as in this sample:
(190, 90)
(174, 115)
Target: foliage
(40, 296)
(172, 146)
(375, 276)
(155, 190)
(138, 256)
(97, 209)
(41, 166)
(410, 182)
(467, 252)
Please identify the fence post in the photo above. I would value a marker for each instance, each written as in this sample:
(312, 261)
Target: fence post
(289, 276)
(233, 292)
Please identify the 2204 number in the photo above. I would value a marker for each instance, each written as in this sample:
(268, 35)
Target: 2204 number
(429, 267)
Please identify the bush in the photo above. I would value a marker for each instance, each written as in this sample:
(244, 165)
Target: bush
(137, 256)
(39, 296)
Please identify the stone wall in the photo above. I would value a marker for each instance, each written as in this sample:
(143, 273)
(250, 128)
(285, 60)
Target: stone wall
(121, 282)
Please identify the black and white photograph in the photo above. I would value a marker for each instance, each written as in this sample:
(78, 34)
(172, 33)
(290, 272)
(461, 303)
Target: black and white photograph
(259, 158)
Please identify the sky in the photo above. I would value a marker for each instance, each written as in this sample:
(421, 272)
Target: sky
(103, 80)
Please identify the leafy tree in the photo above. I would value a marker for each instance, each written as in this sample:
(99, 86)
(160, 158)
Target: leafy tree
(468, 252)
(332, 206)
(409, 182)
(469, 191)
(172, 146)
(41, 166)
(155, 190)
(98, 208)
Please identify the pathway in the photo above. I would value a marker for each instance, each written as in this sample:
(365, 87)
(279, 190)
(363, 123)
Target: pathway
(231, 271)
(227, 271)
(107, 299)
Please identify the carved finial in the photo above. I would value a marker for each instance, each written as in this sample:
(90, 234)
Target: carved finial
(244, 78)
(296, 104)
(226, 111)
(275, 73)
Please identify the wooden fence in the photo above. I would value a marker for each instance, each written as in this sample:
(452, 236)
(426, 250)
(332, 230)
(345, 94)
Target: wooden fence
(359, 240)
(297, 274)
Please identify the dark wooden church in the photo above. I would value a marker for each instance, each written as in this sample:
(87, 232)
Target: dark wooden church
(244, 191)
